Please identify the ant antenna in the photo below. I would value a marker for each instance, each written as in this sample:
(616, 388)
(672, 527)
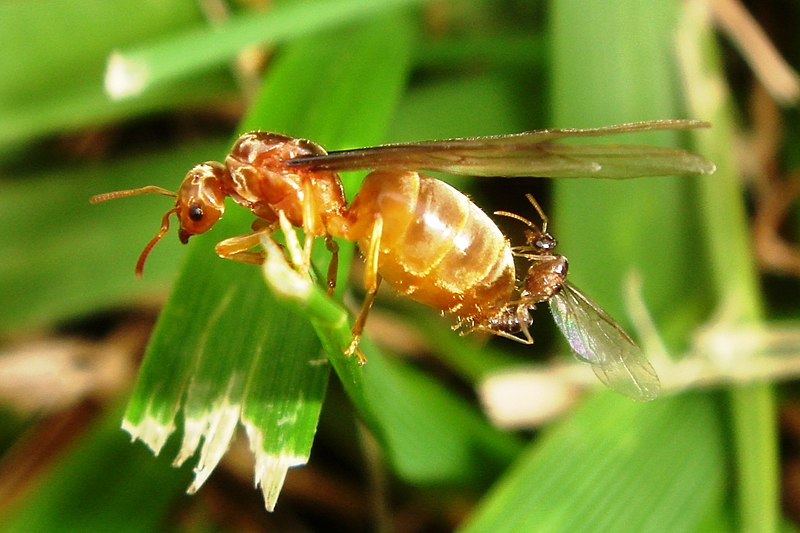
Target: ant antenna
(153, 241)
(524, 220)
(150, 189)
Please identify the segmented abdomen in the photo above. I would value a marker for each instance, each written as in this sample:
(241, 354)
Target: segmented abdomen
(437, 247)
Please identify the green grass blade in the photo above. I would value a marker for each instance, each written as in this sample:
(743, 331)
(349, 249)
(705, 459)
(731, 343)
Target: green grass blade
(226, 344)
(614, 465)
(733, 272)
(132, 71)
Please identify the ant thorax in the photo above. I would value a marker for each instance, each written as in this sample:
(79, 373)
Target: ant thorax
(259, 178)
(544, 278)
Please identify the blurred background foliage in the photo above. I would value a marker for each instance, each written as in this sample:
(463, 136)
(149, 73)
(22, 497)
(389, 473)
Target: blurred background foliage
(404, 444)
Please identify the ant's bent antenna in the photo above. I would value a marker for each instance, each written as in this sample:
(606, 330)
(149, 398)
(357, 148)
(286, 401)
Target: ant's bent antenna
(149, 189)
(524, 220)
(153, 241)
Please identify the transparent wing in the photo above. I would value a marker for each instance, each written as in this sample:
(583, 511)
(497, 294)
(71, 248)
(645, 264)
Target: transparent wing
(598, 340)
(532, 153)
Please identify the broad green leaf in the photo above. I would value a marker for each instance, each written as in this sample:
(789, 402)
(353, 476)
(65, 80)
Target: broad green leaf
(617, 465)
(621, 67)
(661, 245)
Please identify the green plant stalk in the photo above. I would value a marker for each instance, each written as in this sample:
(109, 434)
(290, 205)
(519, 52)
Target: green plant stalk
(734, 276)
(398, 404)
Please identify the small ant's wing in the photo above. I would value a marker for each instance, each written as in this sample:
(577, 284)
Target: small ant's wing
(598, 340)
(532, 153)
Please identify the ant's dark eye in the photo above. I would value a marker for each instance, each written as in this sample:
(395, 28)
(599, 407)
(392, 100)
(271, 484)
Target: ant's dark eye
(545, 242)
(195, 212)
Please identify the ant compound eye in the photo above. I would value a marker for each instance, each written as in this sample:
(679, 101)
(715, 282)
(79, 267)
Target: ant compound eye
(195, 213)
(545, 242)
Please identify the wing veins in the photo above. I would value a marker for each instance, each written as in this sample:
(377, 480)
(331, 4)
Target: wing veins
(526, 154)
(598, 340)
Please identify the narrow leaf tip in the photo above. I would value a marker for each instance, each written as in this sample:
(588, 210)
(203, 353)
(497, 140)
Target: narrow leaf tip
(271, 468)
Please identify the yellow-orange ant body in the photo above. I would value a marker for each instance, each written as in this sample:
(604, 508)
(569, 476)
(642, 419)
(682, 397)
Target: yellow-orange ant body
(425, 238)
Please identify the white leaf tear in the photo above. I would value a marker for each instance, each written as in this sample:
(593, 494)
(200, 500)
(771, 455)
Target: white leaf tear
(151, 431)
(212, 433)
(217, 430)
(270, 469)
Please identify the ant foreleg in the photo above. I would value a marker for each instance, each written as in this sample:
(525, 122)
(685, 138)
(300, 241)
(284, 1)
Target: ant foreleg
(239, 248)
(310, 228)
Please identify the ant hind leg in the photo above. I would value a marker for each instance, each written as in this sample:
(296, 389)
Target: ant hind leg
(333, 266)
(372, 281)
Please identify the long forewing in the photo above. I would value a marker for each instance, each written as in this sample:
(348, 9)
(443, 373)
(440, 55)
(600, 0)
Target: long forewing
(532, 153)
(598, 340)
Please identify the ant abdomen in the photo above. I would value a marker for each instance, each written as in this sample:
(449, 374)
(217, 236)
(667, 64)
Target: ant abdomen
(436, 246)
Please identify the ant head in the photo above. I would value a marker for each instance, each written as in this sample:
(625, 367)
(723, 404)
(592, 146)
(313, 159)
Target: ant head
(536, 237)
(200, 201)
(199, 204)
(540, 241)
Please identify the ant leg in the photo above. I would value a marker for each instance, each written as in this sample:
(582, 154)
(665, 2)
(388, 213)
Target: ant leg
(504, 334)
(499, 323)
(373, 254)
(238, 248)
(500, 333)
(361, 320)
(296, 255)
(372, 281)
(333, 266)
(523, 315)
(309, 229)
